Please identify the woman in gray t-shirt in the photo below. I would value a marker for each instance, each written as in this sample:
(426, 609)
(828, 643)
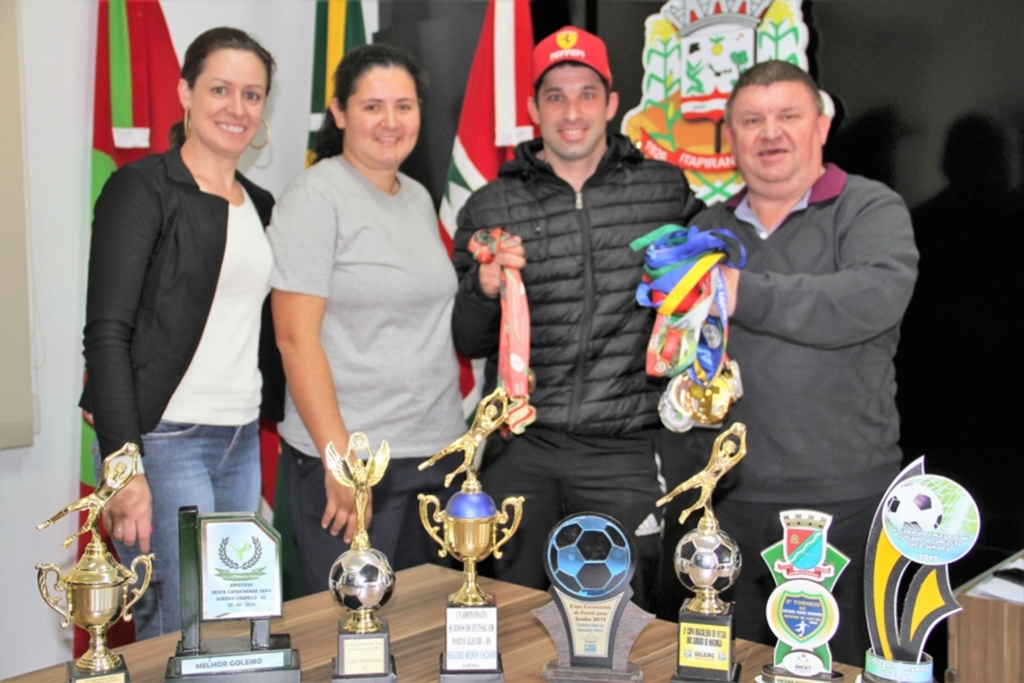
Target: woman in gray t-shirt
(362, 298)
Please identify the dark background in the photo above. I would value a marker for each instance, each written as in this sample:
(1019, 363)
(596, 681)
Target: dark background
(930, 100)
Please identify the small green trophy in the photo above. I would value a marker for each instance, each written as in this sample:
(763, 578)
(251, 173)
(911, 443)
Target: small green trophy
(801, 611)
(230, 567)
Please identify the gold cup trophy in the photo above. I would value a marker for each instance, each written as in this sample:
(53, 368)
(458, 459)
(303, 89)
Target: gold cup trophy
(469, 526)
(98, 590)
(707, 561)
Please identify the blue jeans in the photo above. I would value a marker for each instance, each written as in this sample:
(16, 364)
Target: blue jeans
(214, 468)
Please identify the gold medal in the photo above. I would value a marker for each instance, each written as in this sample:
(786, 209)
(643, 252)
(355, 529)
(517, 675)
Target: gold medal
(708, 406)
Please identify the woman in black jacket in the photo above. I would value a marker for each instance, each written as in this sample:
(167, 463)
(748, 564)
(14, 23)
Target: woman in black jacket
(178, 275)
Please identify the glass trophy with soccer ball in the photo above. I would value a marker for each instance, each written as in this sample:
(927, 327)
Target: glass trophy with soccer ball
(361, 578)
(469, 526)
(590, 560)
(707, 561)
(930, 521)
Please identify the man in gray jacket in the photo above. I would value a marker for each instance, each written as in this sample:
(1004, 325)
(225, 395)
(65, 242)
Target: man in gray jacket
(815, 318)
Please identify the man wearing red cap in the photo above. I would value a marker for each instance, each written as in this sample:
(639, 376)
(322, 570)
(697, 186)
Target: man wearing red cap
(572, 201)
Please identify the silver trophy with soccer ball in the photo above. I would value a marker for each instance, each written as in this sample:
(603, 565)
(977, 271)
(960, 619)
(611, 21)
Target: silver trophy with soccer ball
(361, 578)
(708, 561)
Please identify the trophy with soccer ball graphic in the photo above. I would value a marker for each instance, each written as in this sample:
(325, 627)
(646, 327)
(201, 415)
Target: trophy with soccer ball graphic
(924, 519)
(590, 560)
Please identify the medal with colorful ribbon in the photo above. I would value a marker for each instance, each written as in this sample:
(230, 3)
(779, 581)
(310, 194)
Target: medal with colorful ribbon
(514, 373)
(688, 344)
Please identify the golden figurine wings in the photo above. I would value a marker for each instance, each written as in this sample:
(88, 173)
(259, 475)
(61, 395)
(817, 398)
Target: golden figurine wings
(491, 413)
(724, 456)
(116, 475)
(358, 474)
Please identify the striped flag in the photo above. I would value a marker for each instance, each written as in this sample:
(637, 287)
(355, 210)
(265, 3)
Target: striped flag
(493, 121)
(135, 104)
(340, 26)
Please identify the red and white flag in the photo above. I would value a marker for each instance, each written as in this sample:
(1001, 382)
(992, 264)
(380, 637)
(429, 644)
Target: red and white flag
(493, 121)
(135, 104)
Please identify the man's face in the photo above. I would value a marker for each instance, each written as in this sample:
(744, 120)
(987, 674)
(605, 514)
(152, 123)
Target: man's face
(777, 134)
(573, 109)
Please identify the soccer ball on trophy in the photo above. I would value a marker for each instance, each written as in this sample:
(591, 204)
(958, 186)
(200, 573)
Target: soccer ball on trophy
(707, 560)
(589, 556)
(913, 506)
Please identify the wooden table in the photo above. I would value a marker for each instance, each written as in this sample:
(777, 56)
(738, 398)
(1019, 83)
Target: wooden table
(416, 619)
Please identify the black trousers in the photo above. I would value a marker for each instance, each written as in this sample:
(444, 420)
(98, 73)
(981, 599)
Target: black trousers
(395, 529)
(560, 474)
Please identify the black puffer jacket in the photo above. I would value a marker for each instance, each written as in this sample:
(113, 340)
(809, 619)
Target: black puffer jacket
(588, 335)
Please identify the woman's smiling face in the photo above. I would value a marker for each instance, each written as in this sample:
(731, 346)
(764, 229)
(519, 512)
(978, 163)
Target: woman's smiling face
(381, 120)
(226, 104)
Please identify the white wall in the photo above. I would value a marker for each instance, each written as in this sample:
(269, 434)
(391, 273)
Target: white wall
(59, 46)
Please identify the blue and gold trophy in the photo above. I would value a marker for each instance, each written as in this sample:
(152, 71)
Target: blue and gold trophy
(708, 561)
(469, 526)
(926, 520)
(801, 611)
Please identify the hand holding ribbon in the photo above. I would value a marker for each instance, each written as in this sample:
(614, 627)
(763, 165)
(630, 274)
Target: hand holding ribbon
(683, 281)
(514, 342)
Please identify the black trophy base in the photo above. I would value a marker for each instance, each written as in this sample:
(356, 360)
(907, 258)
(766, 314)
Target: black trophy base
(679, 677)
(558, 672)
(706, 648)
(119, 674)
(230, 660)
(472, 675)
(364, 657)
(771, 674)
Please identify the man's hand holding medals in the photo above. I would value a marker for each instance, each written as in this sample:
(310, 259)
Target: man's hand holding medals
(683, 279)
(514, 373)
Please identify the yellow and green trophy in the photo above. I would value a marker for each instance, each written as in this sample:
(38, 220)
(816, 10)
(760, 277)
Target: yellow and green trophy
(924, 520)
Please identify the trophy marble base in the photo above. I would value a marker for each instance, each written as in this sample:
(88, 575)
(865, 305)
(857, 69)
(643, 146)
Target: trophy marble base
(119, 674)
(770, 674)
(364, 657)
(556, 672)
(230, 660)
(706, 647)
(471, 675)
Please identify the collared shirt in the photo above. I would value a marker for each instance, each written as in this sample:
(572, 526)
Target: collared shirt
(829, 185)
(746, 214)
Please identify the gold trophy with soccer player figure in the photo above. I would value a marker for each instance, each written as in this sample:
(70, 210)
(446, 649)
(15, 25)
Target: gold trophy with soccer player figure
(708, 561)
(469, 526)
(98, 590)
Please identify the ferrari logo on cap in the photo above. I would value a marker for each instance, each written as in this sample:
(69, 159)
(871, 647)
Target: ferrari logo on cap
(566, 39)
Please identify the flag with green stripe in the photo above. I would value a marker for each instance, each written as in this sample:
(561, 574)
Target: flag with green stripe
(135, 104)
(340, 26)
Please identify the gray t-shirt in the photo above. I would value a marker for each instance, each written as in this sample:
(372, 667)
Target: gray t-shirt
(380, 263)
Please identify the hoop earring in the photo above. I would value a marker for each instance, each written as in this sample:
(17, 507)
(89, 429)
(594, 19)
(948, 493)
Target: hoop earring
(187, 123)
(267, 140)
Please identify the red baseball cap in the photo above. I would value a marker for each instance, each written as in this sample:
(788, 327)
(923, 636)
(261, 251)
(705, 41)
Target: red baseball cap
(571, 44)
